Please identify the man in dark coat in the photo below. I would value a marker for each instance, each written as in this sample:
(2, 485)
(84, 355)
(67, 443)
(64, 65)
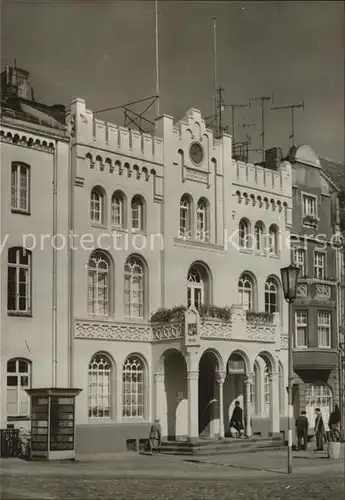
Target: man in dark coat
(237, 418)
(319, 430)
(302, 425)
(155, 437)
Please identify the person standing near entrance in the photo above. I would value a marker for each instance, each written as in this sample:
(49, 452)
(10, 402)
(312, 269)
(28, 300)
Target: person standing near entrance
(319, 430)
(155, 437)
(302, 426)
(237, 419)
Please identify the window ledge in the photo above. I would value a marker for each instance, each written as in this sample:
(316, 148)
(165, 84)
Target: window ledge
(19, 211)
(100, 420)
(245, 250)
(97, 225)
(142, 232)
(16, 419)
(119, 229)
(274, 255)
(19, 314)
(134, 420)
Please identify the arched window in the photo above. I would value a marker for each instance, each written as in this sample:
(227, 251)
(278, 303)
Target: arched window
(202, 232)
(18, 379)
(19, 281)
(259, 236)
(98, 286)
(244, 230)
(318, 395)
(245, 292)
(134, 288)
(118, 210)
(281, 390)
(185, 217)
(133, 387)
(267, 390)
(97, 206)
(273, 240)
(195, 288)
(100, 369)
(271, 296)
(137, 207)
(20, 187)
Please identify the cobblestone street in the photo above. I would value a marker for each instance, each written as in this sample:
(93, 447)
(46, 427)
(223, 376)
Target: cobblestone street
(133, 477)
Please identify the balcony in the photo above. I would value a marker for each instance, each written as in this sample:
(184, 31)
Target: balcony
(168, 324)
(315, 358)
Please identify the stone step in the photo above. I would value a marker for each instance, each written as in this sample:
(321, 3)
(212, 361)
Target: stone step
(216, 447)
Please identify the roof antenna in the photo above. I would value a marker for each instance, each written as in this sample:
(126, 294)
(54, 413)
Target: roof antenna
(292, 107)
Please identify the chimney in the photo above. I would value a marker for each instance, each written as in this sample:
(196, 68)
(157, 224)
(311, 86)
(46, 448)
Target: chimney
(273, 158)
(15, 83)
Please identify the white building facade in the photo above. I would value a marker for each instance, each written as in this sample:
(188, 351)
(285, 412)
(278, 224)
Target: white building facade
(166, 300)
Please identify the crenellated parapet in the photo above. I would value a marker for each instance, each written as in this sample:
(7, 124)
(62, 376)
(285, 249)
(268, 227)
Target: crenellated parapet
(110, 139)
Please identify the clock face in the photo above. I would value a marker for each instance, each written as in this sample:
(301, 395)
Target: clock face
(196, 153)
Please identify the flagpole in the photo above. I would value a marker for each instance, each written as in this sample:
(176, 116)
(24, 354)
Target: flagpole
(157, 61)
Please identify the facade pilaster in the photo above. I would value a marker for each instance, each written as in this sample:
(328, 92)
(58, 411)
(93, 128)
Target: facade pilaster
(274, 404)
(159, 395)
(193, 404)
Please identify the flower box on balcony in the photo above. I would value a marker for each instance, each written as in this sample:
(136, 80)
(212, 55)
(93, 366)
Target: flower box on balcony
(177, 314)
(260, 317)
(311, 220)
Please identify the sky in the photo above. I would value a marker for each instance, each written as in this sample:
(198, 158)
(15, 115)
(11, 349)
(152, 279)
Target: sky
(104, 52)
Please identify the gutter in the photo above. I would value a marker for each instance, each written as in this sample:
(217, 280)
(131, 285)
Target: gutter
(54, 277)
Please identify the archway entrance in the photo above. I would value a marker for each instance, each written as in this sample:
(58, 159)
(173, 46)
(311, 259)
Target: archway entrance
(234, 389)
(176, 393)
(208, 395)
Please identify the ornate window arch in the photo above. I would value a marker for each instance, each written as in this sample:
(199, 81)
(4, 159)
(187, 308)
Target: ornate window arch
(118, 209)
(318, 395)
(99, 284)
(271, 295)
(246, 292)
(202, 220)
(198, 286)
(20, 187)
(186, 208)
(97, 205)
(99, 386)
(259, 231)
(134, 288)
(138, 213)
(244, 233)
(19, 280)
(133, 387)
(18, 379)
(273, 244)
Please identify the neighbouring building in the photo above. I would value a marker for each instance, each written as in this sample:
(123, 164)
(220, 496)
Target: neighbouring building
(315, 249)
(162, 294)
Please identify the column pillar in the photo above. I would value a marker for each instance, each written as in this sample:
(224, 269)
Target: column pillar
(274, 404)
(159, 393)
(220, 380)
(193, 404)
(248, 380)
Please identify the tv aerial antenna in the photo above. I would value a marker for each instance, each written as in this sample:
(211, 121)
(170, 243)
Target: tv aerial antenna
(292, 107)
(262, 100)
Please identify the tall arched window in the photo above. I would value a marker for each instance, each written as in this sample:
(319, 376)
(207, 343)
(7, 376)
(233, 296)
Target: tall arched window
(18, 379)
(245, 292)
(19, 281)
(318, 395)
(118, 209)
(259, 236)
(100, 369)
(20, 187)
(97, 204)
(273, 240)
(202, 231)
(185, 217)
(133, 388)
(244, 230)
(98, 286)
(271, 296)
(195, 288)
(134, 288)
(137, 207)
(267, 390)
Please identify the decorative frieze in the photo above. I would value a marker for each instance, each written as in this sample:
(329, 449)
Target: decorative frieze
(323, 291)
(261, 333)
(284, 341)
(195, 175)
(168, 331)
(216, 330)
(113, 331)
(302, 290)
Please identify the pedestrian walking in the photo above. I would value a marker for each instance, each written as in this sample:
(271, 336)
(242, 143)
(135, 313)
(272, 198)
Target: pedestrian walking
(319, 430)
(334, 424)
(155, 437)
(236, 421)
(302, 426)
